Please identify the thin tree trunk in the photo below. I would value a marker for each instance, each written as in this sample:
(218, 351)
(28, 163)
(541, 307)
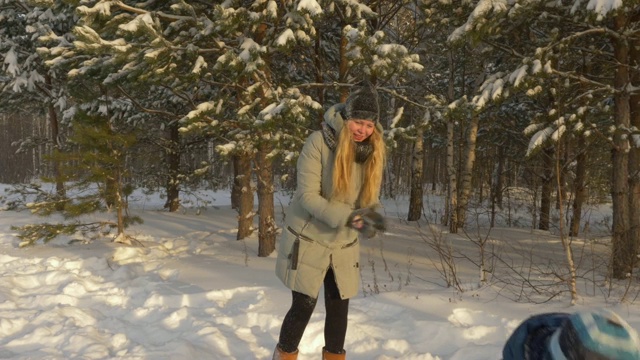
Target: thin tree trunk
(417, 170)
(622, 247)
(496, 184)
(547, 189)
(566, 243)
(634, 153)
(344, 65)
(467, 169)
(579, 190)
(173, 163)
(452, 190)
(435, 161)
(560, 190)
(110, 187)
(500, 178)
(267, 230)
(244, 193)
(55, 139)
(451, 174)
(236, 187)
(319, 73)
(120, 204)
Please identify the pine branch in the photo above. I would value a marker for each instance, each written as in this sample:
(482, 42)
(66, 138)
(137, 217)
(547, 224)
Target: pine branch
(584, 80)
(160, 14)
(505, 49)
(150, 111)
(167, 17)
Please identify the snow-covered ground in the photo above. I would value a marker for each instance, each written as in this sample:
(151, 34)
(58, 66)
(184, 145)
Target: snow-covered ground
(191, 291)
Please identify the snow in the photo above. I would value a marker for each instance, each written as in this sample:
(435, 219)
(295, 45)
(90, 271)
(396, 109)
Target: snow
(248, 46)
(271, 10)
(538, 139)
(398, 115)
(602, 7)
(190, 290)
(285, 37)
(311, 6)
(516, 77)
(481, 11)
(199, 65)
(102, 8)
(199, 110)
(134, 25)
(11, 62)
(226, 148)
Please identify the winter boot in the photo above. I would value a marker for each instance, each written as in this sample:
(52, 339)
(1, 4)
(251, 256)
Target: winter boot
(281, 355)
(327, 355)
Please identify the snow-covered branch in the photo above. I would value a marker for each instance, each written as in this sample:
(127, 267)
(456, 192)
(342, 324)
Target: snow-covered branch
(160, 14)
(137, 104)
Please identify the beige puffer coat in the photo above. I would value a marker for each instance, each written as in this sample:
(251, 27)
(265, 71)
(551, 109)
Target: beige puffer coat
(319, 224)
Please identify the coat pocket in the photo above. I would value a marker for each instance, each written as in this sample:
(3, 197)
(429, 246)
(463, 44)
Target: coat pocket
(293, 256)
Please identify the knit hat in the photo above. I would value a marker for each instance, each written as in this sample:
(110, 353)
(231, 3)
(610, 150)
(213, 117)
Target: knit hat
(600, 335)
(362, 104)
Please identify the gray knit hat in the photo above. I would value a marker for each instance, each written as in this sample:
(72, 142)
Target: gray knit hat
(362, 104)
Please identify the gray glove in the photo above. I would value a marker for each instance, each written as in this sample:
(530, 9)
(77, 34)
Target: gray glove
(367, 221)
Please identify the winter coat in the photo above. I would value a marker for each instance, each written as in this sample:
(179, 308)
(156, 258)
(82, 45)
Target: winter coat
(530, 340)
(315, 235)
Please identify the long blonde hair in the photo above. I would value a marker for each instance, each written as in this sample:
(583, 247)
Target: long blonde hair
(373, 167)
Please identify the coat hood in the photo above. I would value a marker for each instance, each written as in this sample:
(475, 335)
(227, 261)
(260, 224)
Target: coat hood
(333, 117)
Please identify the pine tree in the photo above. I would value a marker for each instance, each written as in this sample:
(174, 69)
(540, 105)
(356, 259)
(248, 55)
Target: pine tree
(27, 83)
(572, 48)
(97, 167)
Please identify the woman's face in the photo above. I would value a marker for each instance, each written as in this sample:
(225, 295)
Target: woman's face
(361, 129)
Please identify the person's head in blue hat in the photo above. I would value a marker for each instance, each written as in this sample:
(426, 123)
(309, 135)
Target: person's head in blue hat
(594, 335)
(584, 335)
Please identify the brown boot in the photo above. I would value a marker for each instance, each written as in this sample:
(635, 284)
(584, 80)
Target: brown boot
(281, 355)
(327, 355)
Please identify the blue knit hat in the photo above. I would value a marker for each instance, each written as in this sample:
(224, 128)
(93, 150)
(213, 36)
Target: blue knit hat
(596, 335)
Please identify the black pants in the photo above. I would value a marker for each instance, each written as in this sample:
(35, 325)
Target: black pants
(297, 318)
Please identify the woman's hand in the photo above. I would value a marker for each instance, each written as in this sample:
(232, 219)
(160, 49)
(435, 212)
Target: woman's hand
(367, 221)
(357, 222)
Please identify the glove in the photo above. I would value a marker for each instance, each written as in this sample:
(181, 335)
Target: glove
(367, 221)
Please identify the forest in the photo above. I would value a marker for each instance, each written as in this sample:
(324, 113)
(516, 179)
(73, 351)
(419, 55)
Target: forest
(479, 100)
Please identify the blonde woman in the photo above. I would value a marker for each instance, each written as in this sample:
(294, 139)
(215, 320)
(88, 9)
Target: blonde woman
(338, 185)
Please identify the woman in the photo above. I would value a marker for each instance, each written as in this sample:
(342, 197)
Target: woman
(339, 177)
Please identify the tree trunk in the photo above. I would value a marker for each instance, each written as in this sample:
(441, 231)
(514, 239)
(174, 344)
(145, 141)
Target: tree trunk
(623, 252)
(319, 73)
(501, 177)
(417, 170)
(560, 188)
(634, 153)
(435, 178)
(566, 243)
(467, 169)
(496, 184)
(452, 192)
(343, 69)
(579, 190)
(120, 204)
(268, 228)
(547, 189)
(173, 164)
(243, 191)
(55, 139)
(110, 188)
(452, 189)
